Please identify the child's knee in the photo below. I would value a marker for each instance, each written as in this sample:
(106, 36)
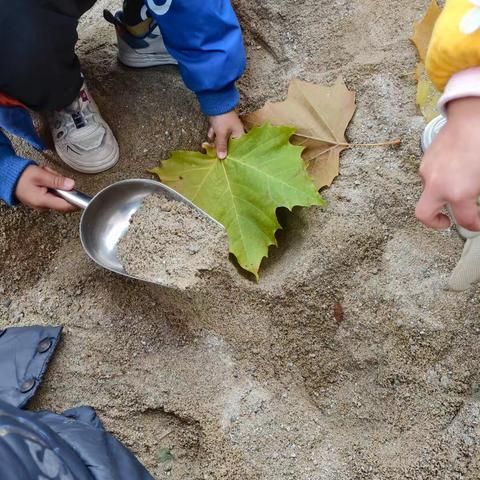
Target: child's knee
(24, 45)
(38, 58)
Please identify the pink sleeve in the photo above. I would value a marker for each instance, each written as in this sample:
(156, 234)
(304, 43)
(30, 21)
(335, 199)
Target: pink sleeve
(463, 84)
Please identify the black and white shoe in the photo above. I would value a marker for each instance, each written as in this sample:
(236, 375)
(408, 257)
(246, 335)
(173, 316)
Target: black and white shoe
(83, 140)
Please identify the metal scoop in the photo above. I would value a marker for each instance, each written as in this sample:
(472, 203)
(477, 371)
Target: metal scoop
(106, 217)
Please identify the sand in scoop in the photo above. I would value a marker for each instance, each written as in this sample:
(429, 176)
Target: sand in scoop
(171, 243)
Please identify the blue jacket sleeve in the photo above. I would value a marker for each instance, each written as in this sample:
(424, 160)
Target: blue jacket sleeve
(11, 168)
(204, 36)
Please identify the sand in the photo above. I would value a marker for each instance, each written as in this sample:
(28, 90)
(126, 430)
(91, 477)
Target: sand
(171, 243)
(261, 381)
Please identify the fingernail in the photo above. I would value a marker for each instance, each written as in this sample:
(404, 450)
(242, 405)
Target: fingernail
(68, 183)
(222, 155)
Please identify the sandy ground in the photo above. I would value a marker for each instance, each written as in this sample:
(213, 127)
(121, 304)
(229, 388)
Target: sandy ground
(261, 381)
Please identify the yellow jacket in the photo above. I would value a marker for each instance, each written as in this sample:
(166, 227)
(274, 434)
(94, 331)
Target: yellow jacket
(455, 43)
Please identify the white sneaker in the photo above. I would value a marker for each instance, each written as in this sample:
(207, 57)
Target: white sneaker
(139, 52)
(83, 140)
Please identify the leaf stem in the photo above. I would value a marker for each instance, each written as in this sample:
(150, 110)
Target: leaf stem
(397, 141)
(166, 434)
(350, 145)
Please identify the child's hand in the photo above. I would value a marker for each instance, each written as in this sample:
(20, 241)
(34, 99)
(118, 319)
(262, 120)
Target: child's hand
(32, 189)
(450, 169)
(222, 127)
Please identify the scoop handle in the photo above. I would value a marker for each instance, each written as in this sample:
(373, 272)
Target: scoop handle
(74, 197)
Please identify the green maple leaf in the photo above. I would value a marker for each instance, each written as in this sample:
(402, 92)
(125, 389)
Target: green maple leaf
(262, 172)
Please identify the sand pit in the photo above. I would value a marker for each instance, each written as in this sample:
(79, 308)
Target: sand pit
(170, 243)
(247, 381)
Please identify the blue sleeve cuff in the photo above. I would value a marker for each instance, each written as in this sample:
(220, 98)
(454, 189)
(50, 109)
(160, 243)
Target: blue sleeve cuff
(220, 101)
(11, 168)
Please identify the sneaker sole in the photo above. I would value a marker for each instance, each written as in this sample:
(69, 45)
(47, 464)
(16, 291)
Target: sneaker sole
(107, 164)
(145, 60)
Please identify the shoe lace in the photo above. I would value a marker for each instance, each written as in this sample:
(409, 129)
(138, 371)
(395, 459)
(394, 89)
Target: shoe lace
(77, 115)
(78, 119)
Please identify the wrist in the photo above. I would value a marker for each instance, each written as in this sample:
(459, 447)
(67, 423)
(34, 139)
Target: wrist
(226, 114)
(465, 108)
(464, 117)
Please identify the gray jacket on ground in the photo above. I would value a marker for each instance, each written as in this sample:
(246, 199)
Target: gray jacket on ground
(45, 445)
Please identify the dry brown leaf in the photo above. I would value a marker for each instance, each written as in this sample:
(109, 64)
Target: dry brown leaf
(423, 30)
(338, 312)
(427, 95)
(320, 115)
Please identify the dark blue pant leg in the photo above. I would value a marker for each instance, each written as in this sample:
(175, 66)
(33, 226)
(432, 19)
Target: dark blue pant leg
(38, 65)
